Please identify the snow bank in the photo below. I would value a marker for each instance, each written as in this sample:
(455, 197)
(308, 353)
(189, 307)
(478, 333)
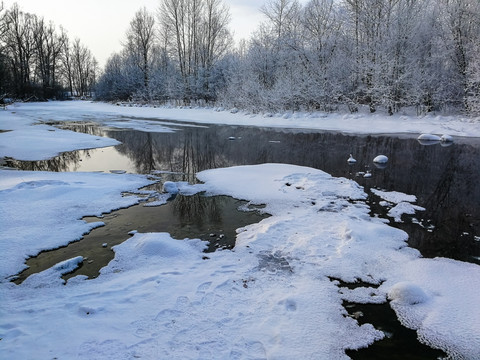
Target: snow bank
(439, 298)
(271, 297)
(348, 123)
(26, 140)
(43, 210)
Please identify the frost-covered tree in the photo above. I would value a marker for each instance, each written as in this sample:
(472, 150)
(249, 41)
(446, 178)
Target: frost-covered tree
(140, 44)
(195, 33)
(462, 25)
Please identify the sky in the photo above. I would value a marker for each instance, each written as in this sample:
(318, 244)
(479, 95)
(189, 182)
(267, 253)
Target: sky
(101, 24)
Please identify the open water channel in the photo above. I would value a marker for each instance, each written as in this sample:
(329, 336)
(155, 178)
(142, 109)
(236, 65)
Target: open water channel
(443, 178)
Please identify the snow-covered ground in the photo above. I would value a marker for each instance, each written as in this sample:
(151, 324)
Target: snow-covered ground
(272, 297)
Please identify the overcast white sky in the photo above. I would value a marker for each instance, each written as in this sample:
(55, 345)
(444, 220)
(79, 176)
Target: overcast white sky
(101, 24)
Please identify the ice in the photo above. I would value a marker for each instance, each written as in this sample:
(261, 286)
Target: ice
(394, 196)
(52, 277)
(27, 140)
(403, 208)
(402, 203)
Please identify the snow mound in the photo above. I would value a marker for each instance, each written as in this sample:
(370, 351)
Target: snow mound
(161, 245)
(428, 137)
(68, 266)
(53, 276)
(406, 293)
(446, 138)
(380, 159)
(170, 187)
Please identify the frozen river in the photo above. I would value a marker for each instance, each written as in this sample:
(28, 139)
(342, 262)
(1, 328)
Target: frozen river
(443, 178)
(438, 182)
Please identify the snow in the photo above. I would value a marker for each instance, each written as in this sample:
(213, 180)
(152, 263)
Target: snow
(429, 137)
(52, 205)
(271, 297)
(446, 138)
(381, 159)
(406, 293)
(402, 203)
(25, 140)
(394, 196)
(403, 208)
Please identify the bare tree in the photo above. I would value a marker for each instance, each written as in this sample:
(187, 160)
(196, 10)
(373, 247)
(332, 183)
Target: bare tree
(18, 39)
(83, 69)
(48, 47)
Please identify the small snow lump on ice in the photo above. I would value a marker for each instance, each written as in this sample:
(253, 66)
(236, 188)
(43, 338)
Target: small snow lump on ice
(406, 293)
(429, 137)
(170, 187)
(381, 159)
(446, 138)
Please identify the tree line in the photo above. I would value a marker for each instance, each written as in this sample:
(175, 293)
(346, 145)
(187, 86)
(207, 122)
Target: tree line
(324, 55)
(39, 62)
(327, 54)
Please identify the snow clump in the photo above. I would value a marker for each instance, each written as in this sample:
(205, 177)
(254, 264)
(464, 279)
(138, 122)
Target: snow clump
(407, 293)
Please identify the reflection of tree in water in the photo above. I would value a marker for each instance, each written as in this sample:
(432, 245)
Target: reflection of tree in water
(198, 210)
(56, 164)
(86, 128)
(186, 151)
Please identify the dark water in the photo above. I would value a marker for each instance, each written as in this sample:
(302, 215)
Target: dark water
(444, 179)
(213, 219)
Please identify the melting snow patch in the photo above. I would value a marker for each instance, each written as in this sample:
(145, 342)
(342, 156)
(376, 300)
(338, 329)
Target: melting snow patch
(403, 208)
(394, 196)
(402, 201)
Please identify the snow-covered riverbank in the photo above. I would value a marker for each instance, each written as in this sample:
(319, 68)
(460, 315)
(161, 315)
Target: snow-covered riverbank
(19, 117)
(272, 297)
